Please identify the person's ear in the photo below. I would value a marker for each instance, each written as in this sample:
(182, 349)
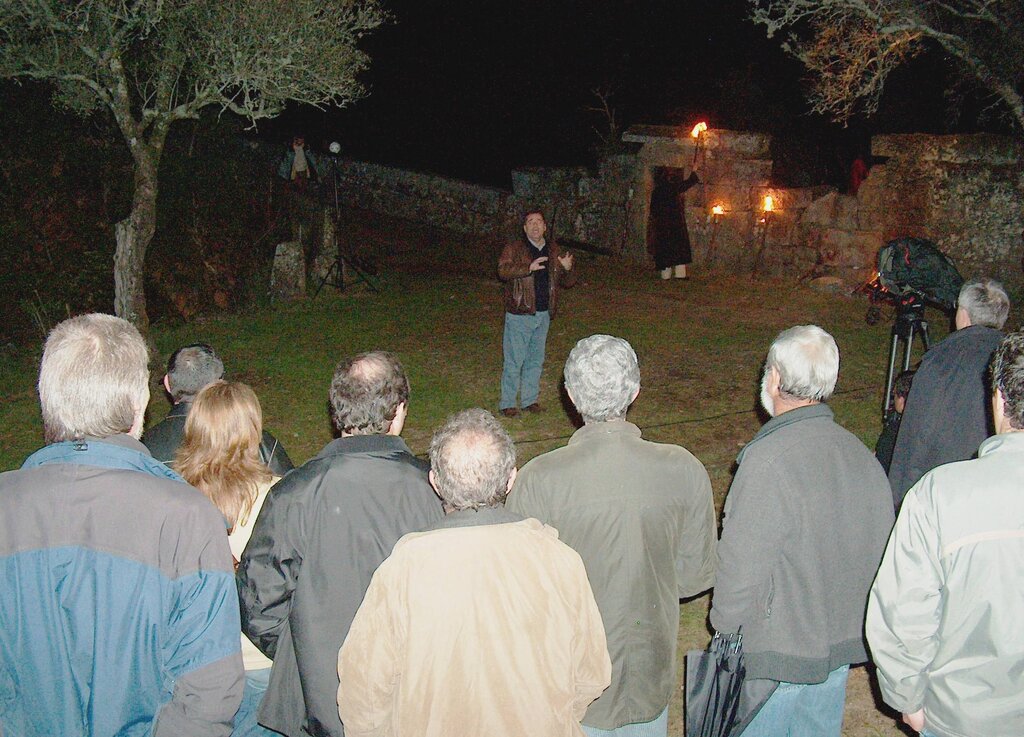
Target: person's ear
(774, 384)
(998, 411)
(511, 479)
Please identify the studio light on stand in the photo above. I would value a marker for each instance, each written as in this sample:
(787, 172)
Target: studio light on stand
(343, 260)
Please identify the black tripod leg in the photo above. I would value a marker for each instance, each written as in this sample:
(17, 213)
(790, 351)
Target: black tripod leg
(361, 275)
(909, 349)
(327, 278)
(924, 336)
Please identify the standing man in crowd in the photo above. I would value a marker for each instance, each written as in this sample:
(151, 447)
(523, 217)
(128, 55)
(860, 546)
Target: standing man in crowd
(320, 537)
(805, 525)
(641, 516)
(533, 270)
(117, 606)
(485, 624)
(944, 616)
(948, 410)
(189, 369)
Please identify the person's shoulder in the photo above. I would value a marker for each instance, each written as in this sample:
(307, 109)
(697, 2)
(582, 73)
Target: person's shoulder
(667, 452)
(171, 426)
(548, 463)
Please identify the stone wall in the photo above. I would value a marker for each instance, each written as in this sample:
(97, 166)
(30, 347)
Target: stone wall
(448, 203)
(963, 192)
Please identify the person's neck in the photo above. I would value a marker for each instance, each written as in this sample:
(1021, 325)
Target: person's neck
(535, 244)
(783, 404)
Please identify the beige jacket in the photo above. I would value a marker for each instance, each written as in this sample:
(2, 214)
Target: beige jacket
(238, 538)
(485, 625)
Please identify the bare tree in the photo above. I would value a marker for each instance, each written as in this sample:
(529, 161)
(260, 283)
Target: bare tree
(851, 46)
(149, 63)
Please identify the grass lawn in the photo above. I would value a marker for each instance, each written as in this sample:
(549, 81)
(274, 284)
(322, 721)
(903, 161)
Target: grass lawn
(700, 344)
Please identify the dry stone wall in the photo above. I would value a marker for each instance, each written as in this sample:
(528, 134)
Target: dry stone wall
(963, 192)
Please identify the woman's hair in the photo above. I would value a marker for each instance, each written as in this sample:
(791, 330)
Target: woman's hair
(220, 452)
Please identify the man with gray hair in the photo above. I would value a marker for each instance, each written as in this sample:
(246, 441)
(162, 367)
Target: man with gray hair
(805, 524)
(641, 516)
(484, 624)
(320, 536)
(948, 412)
(118, 606)
(189, 370)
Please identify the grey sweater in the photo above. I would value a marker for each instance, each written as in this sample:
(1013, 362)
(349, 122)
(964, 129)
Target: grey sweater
(806, 522)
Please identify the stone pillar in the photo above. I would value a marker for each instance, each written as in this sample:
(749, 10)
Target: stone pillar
(327, 254)
(288, 279)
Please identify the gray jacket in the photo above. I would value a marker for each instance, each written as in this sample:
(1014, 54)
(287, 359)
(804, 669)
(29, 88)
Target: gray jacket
(944, 617)
(805, 525)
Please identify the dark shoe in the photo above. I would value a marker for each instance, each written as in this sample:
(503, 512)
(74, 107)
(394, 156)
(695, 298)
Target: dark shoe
(511, 412)
(533, 408)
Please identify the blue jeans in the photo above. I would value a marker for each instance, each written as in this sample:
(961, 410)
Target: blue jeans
(256, 682)
(803, 710)
(657, 727)
(523, 344)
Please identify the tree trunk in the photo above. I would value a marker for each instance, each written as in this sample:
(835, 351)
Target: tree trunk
(133, 235)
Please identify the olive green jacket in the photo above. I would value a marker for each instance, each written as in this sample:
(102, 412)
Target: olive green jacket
(641, 516)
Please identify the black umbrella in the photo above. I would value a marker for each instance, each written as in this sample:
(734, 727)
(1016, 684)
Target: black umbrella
(720, 700)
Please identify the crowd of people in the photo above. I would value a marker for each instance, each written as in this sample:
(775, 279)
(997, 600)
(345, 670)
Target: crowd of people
(195, 583)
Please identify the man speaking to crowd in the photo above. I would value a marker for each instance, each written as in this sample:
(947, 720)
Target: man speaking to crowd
(533, 270)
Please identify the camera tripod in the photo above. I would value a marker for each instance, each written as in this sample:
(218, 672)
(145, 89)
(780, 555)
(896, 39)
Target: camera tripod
(909, 322)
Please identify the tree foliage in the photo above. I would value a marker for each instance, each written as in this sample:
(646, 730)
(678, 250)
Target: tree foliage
(851, 46)
(149, 63)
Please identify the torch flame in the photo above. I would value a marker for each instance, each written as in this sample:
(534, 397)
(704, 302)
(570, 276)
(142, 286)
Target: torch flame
(698, 129)
(769, 203)
(717, 210)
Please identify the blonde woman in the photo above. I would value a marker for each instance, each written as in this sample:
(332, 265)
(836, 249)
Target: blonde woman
(220, 456)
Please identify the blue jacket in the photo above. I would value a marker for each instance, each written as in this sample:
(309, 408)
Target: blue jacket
(118, 614)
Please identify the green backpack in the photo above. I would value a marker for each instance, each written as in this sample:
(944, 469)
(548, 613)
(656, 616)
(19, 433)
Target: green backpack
(916, 267)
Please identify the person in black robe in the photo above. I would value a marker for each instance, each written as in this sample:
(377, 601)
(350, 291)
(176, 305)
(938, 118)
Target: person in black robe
(667, 236)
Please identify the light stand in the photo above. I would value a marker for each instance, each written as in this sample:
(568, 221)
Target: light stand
(343, 259)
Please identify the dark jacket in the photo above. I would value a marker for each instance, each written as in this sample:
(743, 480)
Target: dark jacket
(887, 439)
(949, 408)
(164, 438)
(514, 270)
(117, 606)
(316, 544)
(805, 525)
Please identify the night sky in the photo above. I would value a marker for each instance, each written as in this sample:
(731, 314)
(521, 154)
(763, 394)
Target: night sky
(473, 89)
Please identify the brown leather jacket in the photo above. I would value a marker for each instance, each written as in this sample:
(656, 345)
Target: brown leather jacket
(514, 270)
